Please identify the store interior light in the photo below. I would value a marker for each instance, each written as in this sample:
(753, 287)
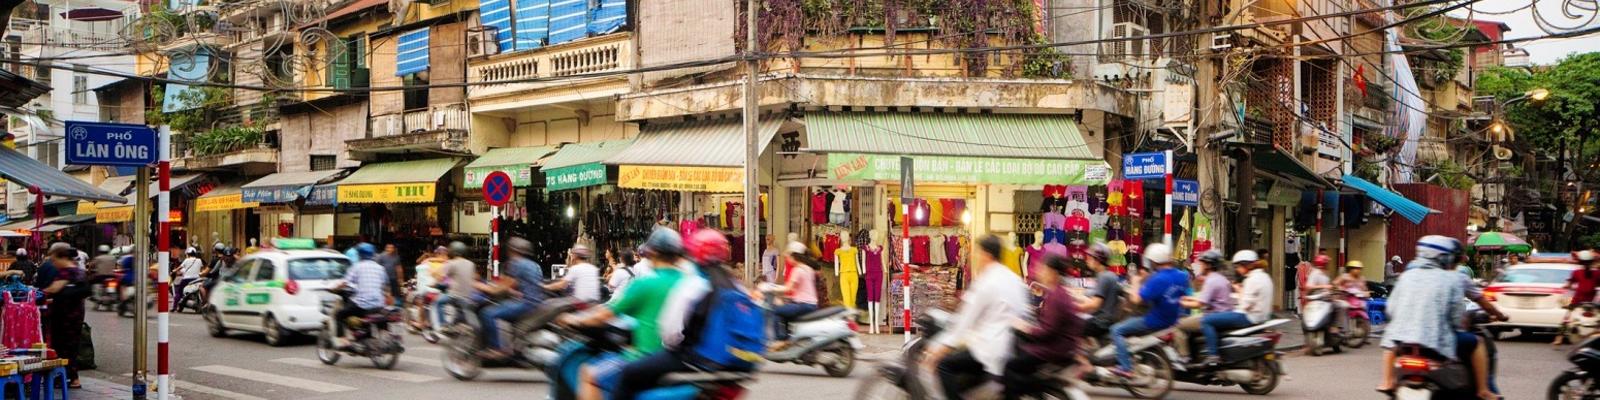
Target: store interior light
(966, 217)
(571, 212)
(921, 213)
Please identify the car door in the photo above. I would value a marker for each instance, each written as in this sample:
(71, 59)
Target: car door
(263, 286)
(230, 294)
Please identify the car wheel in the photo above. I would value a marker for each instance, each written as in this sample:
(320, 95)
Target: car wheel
(214, 324)
(275, 334)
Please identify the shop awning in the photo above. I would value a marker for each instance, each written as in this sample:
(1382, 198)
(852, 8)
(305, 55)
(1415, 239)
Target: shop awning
(845, 167)
(395, 182)
(947, 134)
(518, 162)
(18, 168)
(284, 187)
(61, 221)
(1269, 158)
(114, 185)
(578, 165)
(1407, 208)
(708, 143)
(228, 196)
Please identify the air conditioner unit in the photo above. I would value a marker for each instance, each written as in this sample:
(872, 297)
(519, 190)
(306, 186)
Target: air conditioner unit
(481, 42)
(1127, 49)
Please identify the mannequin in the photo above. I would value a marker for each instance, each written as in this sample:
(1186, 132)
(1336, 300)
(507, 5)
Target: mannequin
(1034, 252)
(1011, 256)
(873, 269)
(848, 270)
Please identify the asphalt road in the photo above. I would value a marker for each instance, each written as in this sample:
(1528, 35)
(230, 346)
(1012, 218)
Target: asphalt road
(242, 367)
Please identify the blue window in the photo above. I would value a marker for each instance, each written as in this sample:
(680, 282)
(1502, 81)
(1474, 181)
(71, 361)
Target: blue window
(497, 13)
(412, 53)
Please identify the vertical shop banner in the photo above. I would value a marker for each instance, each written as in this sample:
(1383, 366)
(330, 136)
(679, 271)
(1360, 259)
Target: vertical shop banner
(577, 176)
(1019, 171)
(691, 179)
(1151, 165)
(1185, 192)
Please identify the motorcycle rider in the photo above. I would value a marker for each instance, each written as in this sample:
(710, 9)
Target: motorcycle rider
(1582, 283)
(1425, 308)
(582, 277)
(1052, 337)
(1255, 304)
(189, 270)
(103, 262)
(1216, 295)
(1318, 279)
(709, 251)
(1104, 301)
(980, 336)
(459, 277)
(524, 289)
(800, 285)
(1161, 290)
(371, 284)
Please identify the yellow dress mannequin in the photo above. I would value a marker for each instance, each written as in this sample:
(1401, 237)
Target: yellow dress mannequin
(849, 270)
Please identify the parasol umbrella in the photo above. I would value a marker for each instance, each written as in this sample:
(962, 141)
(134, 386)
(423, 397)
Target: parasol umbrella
(1500, 241)
(92, 14)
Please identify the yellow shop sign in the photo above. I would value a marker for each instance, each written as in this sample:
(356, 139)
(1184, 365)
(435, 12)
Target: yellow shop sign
(387, 193)
(222, 203)
(689, 179)
(111, 215)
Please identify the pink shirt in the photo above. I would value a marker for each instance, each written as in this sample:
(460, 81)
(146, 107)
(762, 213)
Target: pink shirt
(805, 284)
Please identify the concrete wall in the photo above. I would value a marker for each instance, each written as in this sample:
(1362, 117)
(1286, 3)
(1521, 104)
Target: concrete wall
(1075, 20)
(383, 67)
(323, 132)
(675, 31)
(447, 63)
(548, 126)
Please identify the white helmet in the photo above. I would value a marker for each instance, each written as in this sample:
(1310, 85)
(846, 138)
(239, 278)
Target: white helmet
(1586, 255)
(1440, 249)
(1159, 253)
(1246, 256)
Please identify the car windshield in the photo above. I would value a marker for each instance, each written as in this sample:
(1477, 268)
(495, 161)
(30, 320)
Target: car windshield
(318, 268)
(1535, 275)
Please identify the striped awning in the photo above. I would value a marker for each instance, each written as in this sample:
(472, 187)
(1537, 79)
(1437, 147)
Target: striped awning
(1407, 208)
(947, 134)
(22, 170)
(411, 55)
(706, 143)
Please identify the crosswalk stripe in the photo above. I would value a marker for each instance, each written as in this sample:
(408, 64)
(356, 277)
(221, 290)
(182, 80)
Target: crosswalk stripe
(377, 373)
(263, 377)
(432, 362)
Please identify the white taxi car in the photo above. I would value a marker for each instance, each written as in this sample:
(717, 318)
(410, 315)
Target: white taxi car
(277, 293)
(1534, 296)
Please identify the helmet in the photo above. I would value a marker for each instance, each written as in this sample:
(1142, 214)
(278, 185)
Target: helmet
(103, 249)
(1586, 255)
(581, 251)
(457, 249)
(365, 250)
(518, 245)
(663, 243)
(1159, 253)
(219, 247)
(193, 252)
(1440, 249)
(1211, 257)
(1321, 260)
(708, 246)
(1099, 251)
(1354, 264)
(796, 248)
(1246, 256)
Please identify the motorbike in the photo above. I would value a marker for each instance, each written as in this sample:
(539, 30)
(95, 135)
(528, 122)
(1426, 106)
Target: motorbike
(1585, 322)
(192, 297)
(1317, 321)
(1578, 382)
(533, 337)
(1249, 359)
(1424, 374)
(372, 336)
(1153, 365)
(125, 305)
(106, 294)
(824, 338)
(901, 379)
(419, 311)
(585, 345)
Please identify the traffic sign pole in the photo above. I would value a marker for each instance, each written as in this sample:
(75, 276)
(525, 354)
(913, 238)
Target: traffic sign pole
(163, 258)
(497, 191)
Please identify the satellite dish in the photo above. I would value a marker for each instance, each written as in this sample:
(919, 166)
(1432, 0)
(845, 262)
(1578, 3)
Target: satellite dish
(1502, 153)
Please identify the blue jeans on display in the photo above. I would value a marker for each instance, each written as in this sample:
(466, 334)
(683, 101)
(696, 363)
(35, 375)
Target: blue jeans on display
(1119, 336)
(1210, 324)
(505, 311)
(788, 312)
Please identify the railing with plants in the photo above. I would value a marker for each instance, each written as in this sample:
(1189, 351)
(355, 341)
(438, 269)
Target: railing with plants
(225, 140)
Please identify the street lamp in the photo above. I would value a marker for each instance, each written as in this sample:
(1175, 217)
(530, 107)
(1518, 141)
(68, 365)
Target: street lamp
(1538, 94)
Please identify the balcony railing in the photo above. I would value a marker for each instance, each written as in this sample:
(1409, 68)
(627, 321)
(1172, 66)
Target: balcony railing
(595, 55)
(448, 117)
(73, 38)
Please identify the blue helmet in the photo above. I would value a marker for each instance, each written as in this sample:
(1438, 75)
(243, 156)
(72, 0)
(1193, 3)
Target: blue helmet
(365, 251)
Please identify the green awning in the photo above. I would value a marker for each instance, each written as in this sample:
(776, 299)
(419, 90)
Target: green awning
(584, 153)
(703, 143)
(515, 161)
(400, 172)
(947, 134)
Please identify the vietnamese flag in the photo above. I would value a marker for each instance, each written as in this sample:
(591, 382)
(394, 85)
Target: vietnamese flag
(1361, 79)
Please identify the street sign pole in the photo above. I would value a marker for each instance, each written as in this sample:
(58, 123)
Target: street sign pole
(141, 263)
(163, 260)
(498, 189)
(1166, 233)
(907, 195)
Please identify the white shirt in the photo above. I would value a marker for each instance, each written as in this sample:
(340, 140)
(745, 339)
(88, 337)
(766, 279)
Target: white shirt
(996, 298)
(622, 275)
(190, 267)
(680, 303)
(585, 279)
(1256, 299)
(1317, 278)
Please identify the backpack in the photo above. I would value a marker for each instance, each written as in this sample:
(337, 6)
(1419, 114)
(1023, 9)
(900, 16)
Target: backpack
(729, 332)
(605, 289)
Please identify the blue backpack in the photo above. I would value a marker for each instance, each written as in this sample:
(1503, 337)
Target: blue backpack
(729, 332)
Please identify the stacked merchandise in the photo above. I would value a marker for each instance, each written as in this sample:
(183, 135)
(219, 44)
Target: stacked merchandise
(930, 288)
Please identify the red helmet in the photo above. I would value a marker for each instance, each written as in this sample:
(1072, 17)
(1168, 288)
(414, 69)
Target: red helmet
(1321, 260)
(708, 246)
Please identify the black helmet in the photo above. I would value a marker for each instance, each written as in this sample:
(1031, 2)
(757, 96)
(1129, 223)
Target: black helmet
(458, 249)
(1099, 251)
(1213, 258)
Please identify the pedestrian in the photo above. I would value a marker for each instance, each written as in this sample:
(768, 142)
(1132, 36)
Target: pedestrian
(65, 289)
(1393, 269)
(625, 272)
(24, 265)
(390, 261)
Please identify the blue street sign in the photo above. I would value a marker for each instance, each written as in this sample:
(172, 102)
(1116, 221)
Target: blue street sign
(1185, 192)
(1151, 165)
(497, 188)
(95, 143)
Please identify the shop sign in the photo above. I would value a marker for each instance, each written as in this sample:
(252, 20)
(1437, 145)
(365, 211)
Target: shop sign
(1185, 192)
(1018, 171)
(113, 215)
(175, 216)
(689, 179)
(574, 177)
(521, 175)
(277, 194)
(422, 192)
(323, 195)
(87, 208)
(1152, 165)
(222, 203)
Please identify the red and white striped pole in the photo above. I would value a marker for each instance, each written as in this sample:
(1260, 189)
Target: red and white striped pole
(1166, 233)
(905, 261)
(163, 258)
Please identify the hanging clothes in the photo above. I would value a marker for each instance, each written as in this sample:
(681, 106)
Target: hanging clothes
(936, 253)
(952, 250)
(952, 211)
(936, 212)
(830, 244)
(849, 274)
(21, 328)
(919, 250)
(1077, 199)
(819, 208)
(836, 210)
(874, 274)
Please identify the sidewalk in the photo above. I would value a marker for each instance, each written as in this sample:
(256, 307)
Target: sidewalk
(101, 389)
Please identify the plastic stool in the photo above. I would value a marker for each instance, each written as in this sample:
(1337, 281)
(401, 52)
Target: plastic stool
(14, 379)
(50, 381)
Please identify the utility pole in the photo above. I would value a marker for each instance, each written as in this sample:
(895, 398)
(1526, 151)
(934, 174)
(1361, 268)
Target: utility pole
(141, 279)
(752, 146)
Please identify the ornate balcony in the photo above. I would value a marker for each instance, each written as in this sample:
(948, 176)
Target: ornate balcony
(601, 54)
(436, 128)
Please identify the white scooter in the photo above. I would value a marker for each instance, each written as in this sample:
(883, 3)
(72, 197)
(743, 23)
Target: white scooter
(822, 338)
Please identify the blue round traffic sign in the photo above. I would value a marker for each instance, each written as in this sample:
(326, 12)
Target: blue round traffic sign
(497, 188)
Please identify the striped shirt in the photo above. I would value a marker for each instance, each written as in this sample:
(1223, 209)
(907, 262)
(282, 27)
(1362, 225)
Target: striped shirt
(369, 280)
